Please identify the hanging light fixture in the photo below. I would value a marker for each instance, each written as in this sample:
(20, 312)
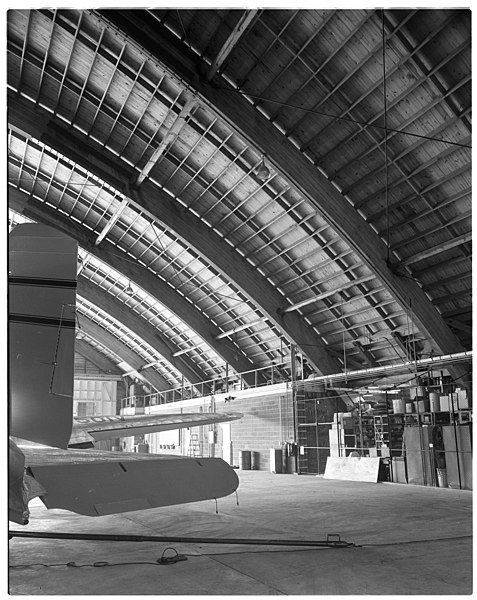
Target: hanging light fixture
(129, 291)
(262, 171)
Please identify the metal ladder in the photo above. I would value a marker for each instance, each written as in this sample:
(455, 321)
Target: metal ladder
(302, 438)
(194, 445)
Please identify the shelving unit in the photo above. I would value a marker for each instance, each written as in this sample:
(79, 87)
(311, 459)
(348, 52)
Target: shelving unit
(459, 417)
(351, 433)
(388, 434)
(367, 434)
(405, 442)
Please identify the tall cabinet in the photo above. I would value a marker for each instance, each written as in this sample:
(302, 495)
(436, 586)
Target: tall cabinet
(458, 456)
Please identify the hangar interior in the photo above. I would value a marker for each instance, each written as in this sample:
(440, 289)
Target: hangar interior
(273, 215)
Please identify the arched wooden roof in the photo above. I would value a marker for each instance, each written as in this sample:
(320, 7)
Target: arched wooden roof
(141, 133)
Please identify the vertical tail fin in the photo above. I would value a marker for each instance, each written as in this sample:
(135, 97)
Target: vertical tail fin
(42, 297)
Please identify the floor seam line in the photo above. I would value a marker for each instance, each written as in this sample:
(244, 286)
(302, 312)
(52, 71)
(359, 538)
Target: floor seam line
(247, 575)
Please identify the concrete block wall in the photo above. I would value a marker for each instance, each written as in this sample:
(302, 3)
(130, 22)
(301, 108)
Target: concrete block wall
(267, 423)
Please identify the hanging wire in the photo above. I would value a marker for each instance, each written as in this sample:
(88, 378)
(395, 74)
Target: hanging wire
(348, 119)
(413, 338)
(408, 328)
(385, 139)
(342, 325)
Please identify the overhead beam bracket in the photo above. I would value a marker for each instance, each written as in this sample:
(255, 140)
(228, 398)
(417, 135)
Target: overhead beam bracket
(112, 221)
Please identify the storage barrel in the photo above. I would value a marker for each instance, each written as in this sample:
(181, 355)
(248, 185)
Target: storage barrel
(254, 461)
(276, 460)
(435, 402)
(245, 460)
(398, 406)
(423, 405)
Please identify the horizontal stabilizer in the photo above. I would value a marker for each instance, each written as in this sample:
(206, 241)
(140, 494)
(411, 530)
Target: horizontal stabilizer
(99, 483)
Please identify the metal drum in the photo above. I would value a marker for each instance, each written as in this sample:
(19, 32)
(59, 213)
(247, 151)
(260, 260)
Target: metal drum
(245, 460)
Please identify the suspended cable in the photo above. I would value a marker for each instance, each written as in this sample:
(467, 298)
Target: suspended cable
(338, 118)
(413, 337)
(342, 325)
(386, 176)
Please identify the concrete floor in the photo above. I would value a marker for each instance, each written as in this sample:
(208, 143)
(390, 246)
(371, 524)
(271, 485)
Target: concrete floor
(413, 540)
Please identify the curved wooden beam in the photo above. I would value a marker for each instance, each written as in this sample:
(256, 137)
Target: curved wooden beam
(100, 360)
(133, 321)
(108, 340)
(164, 209)
(292, 164)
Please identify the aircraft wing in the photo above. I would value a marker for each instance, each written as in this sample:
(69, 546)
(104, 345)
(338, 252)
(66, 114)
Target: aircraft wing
(94, 483)
(87, 430)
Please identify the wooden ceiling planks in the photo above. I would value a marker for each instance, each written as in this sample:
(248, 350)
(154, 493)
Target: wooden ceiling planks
(306, 62)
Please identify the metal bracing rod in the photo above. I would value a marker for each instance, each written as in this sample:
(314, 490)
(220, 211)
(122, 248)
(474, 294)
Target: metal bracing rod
(333, 540)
